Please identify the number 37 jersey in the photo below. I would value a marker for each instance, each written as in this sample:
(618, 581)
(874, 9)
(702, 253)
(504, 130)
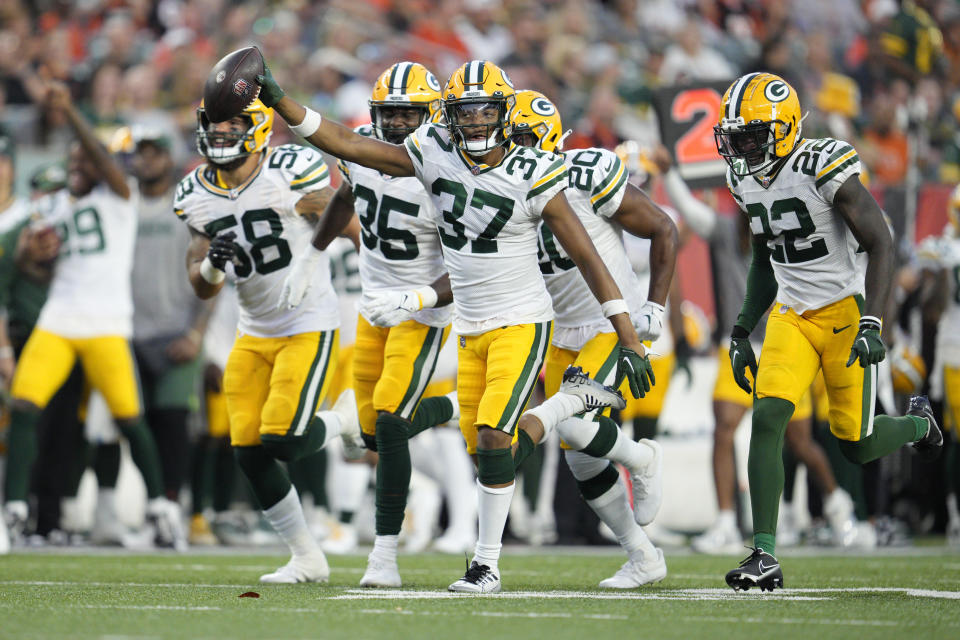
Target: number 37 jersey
(269, 233)
(814, 254)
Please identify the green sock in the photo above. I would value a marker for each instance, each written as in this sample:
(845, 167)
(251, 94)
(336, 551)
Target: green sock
(431, 412)
(525, 447)
(393, 473)
(267, 479)
(144, 452)
(602, 443)
(644, 427)
(765, 467)
(21, 452)
(290, 448)
(889, 434)
(224, 475)
(106, 464)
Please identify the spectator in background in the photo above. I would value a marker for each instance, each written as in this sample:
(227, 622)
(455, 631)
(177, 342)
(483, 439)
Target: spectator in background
(884, 148)
(910, 43)
(688, 58)
(480, 31)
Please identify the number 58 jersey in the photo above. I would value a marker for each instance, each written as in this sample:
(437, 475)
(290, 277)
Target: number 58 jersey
(269, 233)
(814, 254)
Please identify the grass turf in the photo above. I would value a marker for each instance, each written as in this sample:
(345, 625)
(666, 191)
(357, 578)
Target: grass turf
(547, 595)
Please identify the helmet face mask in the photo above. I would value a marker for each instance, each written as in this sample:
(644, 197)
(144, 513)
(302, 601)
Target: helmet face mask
(477, 104)
(404, 90)
(393, 122)
(753, 143)
(222, 145)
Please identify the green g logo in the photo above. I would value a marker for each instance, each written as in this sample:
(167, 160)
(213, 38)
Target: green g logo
(777, 91)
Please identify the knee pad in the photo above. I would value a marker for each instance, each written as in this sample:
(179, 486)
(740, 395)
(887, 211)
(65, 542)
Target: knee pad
(283, 448)
(594, 476)
(495, 466)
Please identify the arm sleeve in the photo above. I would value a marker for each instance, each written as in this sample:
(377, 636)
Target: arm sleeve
(761, 288)
(701, 218)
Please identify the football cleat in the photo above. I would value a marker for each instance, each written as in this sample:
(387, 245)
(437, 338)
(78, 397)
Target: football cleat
(720, 539)
(635, 574)
(931, 444)
(342, 539)
(479, 578)
(200, 532)
(759, 569)
(346, 408)
(308, 568)
(648, 485)
(380, 573)
(13, 518)
(594, 395)
(164, 517)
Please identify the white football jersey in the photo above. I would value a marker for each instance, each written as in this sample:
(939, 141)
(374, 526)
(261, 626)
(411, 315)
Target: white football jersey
(487, 219)
(399, 245)
(90, 294)
(345, 276)
(269, 233)
(597, 182)
(943, 252)
(814, 255)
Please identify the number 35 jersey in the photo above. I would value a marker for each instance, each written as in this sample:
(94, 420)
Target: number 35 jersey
(399, 245)
(269, 232)
(813, 252)
(487, 220)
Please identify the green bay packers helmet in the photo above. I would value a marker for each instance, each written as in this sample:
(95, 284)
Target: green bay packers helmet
(221, 147)
(407, 85)
(477, 102)
(759, 123)
(534, 115)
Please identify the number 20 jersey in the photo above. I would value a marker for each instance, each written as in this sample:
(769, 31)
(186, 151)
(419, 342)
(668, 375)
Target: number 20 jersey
(487, 220)
(269, 233)
(813, 252)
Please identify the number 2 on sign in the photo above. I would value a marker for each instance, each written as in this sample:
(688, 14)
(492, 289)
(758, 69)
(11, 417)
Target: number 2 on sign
(697, 144)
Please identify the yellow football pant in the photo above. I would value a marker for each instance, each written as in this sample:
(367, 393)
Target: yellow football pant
(726, 389)
(951, 398)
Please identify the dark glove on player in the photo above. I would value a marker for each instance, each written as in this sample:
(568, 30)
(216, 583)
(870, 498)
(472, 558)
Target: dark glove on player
(222, 250)
(867, 347)
(742, 357)
(270, 91)
(636, 369)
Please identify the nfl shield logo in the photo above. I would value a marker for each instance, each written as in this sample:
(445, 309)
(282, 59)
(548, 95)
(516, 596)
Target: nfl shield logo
(475, 170)
(240, 87)
(463, 341)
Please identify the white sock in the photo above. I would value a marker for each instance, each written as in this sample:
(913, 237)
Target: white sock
(727, 519)
(18, 508)
(614, 510)
(385, 548)
(952, 511)
(555, 410)
(494, 507)
(578, 432)
(331, 422)
(458, 480)
(286, 518)
(632, 455)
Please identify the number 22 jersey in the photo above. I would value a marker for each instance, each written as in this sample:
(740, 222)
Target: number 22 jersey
(269, 232)
(487, 221)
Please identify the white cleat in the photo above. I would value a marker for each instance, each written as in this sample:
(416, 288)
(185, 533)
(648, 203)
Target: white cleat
(346, 408)
(635, 574)
(648, 486)
(594, 395)
(4, 537)
(479, 578)
(309, 568)
(342, 539)
(719, 540)
(381, 573)
(167, 521)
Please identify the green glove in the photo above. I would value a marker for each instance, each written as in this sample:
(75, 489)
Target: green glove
(741, 357)
(636, 370)
(867, 347)
(270, 91)
(682, 351)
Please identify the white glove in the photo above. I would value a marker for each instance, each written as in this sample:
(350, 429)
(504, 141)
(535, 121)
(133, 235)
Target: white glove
(390, 308)
(298, 280)
(649, 321)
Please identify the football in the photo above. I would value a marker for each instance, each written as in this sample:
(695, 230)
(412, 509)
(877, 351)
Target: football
(232, 84)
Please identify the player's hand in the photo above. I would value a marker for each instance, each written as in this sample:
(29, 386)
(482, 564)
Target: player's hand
(682, 353)
(185, 348)
(741, 358)
(57, 95)
(297, 282)
(270, 91)
(636, 369)
(867, 347)
(649, 321)
(390, 308)
(222, 250)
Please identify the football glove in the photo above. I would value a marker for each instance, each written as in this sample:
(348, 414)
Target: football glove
(741, 358)
(270, 91)
(222, 250)
(867, 347)
(649, 321)
(636, 369)
(682, 352)
(297, 282)
(390, 308)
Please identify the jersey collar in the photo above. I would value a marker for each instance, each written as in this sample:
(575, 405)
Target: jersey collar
(209, 178)
(767, 180)
(476, 168)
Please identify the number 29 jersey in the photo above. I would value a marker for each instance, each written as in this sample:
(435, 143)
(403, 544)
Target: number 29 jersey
(487, 220)
(814, 254)
(269, 232)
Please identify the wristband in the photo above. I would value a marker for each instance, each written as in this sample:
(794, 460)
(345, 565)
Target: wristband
(6, 352)
(870, 322)
(613, 307)
(210, 273)
(309, 125)
(427, 296)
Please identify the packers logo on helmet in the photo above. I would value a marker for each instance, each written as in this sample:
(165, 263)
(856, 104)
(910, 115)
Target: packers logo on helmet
(760, 123)
(222, 147)
(477, 102)
(405, 96)
(534, 116)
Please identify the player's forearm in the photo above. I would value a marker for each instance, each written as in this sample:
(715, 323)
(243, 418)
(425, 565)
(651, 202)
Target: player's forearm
(698, 216)
(878, 280)
(761, 289)
(201, 286)
(444, 292)
(663, 260)
(112, 172)
(334, 220)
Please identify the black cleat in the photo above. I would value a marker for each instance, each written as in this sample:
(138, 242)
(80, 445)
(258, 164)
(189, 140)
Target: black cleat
(760, 569)
(930, 445)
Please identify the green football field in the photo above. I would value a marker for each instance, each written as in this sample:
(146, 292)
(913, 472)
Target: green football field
(910, 594)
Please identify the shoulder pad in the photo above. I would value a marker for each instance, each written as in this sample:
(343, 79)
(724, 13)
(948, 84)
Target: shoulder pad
(300, 167)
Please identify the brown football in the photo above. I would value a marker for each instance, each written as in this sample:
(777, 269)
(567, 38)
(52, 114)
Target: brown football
(232, 84)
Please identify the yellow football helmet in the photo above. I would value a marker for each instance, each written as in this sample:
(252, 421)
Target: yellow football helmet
(407, 85)
(908, 370)
(534, 115)
(759, 123)
(953, 214)
(477, 102)
(222, 147)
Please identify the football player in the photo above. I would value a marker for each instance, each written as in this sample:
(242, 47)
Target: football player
(250, 209)
(605, 202)
(823, 252)
(88, 315)
(490, 195)
(400, 263)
